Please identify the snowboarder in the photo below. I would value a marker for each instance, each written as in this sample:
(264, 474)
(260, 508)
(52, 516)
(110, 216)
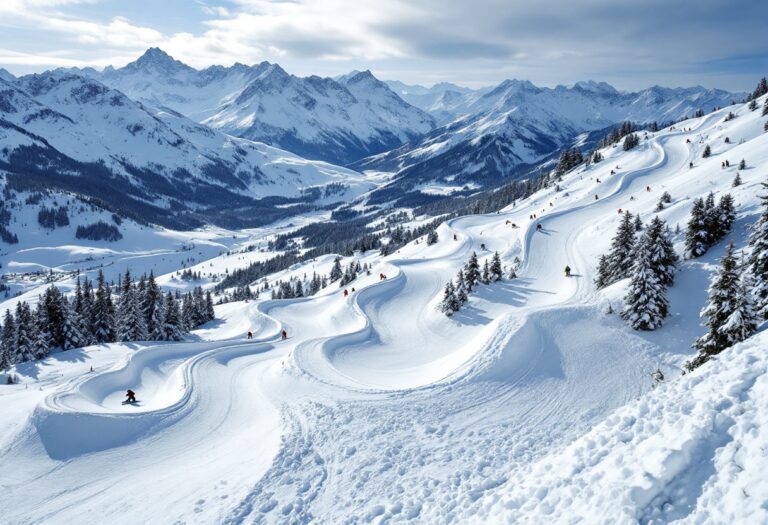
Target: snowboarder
(250, 334)
(284, 335)
(131, 395)
(538, 227)
(567, 271)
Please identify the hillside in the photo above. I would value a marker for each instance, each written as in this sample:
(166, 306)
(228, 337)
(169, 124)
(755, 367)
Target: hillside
(63, 131)
(504, 132)
(529, 404)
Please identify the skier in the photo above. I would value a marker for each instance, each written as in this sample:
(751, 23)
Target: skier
(455, 238)
(567, 271)
(250, 334)
(382, 277)
(131, 395)
(647, 188)
(284, 335)
(619, 211)
(690, 165)
(482, 246)
(353, 290)
(346, 292)
(596, 197)
(538, 227)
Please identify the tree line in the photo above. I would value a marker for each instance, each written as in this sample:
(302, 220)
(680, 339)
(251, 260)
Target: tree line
(100, 313)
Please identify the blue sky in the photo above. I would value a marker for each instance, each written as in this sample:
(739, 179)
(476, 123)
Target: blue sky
(631, 44)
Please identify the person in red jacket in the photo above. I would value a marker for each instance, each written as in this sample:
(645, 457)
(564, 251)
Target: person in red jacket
(131, 395)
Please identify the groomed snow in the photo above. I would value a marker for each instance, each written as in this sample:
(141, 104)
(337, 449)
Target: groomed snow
(529, 405)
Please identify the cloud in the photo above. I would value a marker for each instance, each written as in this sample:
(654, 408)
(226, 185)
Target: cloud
(548, 41)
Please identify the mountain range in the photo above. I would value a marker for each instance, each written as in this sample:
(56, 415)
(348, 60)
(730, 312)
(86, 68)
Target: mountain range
(184, 147)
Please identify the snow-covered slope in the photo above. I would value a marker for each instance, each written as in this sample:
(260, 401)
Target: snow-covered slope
(504, 131)
(63, 130)
(530, 405)
(319, 118)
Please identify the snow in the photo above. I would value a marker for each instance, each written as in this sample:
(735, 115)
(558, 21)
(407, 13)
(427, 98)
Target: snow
(531, 404)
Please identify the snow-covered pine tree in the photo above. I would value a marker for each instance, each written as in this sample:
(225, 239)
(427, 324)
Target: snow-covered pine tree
(620, 256)
(663, 258)
(497, 273)
(41, 339)
(450, 304)
(158, 321)
(725, 298)
(23, 342)
(173, 327)
(188, 309)
(131, 324)
(726, 216)
(432, 237)
(8, 338)
(210, 312)
(603, 272)
(758, 257)
(151, 299)
(103, 317)
(743, 321)
(73, 335)
(696, 235)
(638, 223)
(707, 151)
(336, 271)
(646, 303)
(461, 288)
(472, 272)
(53, 302)
(485, 277)
(736, 180)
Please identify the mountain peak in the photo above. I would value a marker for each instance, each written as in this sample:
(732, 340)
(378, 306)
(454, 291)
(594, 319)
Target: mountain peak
(5, 75)
(158, 60)
(595, 87)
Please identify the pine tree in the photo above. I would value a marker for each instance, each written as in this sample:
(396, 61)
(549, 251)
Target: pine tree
(707, 151)
(103, 318)
(432, 237)
(188, 310)
(638, 223)
(603, 272)
(758, 258)
(646, 301)
(620, 257)
(9, 338)
(472, 272)
(461, 289)
(736, 180)
(497, 273)
(151, 299)
(23, 342)
(173, 326)
(486, 275)
(728, 313)
(450, 304)
(158, 321)
(41, 337)
(662, 251)
(210, 312)
(73, 336)
(696, 236)
(131, 323)
(726, 216)
(336, 271)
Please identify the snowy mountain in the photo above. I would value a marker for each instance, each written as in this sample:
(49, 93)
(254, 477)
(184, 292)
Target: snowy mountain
(534, 402)
(444, 101)
(5, 75)
(320, 118)
(61, 130)
(516, 125)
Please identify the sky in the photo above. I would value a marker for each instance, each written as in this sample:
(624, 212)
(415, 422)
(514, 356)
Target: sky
(629, 43)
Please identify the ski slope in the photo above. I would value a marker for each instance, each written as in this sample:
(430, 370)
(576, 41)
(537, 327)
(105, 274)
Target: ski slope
(377, 408)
